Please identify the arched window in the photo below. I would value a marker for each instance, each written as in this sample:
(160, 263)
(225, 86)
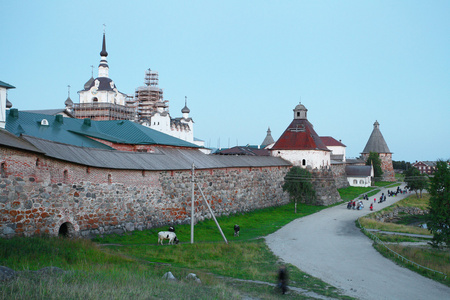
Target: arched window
(109, 179)
(361, 181)
(37, 162)
(95, 99)
(303, 162)
(355, 181)
(66, 230)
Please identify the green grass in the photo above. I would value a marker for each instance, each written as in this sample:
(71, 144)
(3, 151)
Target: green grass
(353, 192)
(434, 259)
(253, 225)
(370, 223)
(386, 184)
(134, 270)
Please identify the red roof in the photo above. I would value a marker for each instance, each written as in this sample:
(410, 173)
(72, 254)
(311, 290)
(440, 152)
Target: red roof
(300, 135)
(330, 141)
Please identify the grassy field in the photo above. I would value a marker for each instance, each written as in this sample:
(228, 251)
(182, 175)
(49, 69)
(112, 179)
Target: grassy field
(131, 266)
(436, 259)
(353, 192)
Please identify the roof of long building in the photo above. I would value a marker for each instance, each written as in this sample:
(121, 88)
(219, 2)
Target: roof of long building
(331, 141)
(71, 140)
(78, 132)
(358, 171)
(163, 159)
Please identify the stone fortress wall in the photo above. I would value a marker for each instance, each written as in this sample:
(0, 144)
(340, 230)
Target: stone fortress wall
(41, 195)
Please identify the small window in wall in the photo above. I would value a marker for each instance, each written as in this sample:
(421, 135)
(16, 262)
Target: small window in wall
(88, 170)
(143, 173)
(298, 114)
(355, 181)
(65, 176)
(361, 181)
(37, 162)
(95, 99)
(303, 162)
(3, 170)
(109, 179)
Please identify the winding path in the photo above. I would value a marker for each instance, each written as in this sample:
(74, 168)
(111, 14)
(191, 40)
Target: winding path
(329, 246)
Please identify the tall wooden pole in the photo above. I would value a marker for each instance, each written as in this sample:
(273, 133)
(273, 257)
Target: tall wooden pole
(192, 206)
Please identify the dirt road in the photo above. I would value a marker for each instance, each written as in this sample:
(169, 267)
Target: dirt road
(329, 246)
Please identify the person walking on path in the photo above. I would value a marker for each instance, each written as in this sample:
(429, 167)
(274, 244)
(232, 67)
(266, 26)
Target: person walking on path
(283, 279)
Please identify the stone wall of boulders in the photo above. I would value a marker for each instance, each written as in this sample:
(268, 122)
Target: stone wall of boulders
(340, 177)
(116, 203)
(325, 187)
(393, 215)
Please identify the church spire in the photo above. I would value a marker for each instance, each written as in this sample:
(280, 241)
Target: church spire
(103, 68)
(103, 52)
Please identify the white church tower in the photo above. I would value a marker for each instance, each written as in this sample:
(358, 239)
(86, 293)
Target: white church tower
(102, 89)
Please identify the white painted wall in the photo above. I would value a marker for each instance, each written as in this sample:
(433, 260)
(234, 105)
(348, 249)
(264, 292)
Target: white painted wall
(360, 181)
(314, 158)
(337, 150)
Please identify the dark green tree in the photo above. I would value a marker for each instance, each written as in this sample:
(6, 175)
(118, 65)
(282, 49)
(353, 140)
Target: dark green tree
(439, 190)
(416, 181)
(298, 184)
(374, 159)
(401, 165)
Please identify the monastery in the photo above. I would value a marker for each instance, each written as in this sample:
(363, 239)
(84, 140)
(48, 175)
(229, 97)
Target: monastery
(112, 164)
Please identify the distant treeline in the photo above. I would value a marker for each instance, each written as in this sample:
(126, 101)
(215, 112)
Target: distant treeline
(401, 165)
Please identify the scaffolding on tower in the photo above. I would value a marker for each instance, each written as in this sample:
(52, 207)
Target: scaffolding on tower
(147, 96)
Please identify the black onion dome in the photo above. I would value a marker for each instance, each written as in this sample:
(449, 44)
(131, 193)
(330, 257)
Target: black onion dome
(185, 110)
(68, 102)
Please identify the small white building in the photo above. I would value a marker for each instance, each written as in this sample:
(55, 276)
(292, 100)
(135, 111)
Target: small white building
(360, 176)
(4, 103)
(336, 147)
(300, 144)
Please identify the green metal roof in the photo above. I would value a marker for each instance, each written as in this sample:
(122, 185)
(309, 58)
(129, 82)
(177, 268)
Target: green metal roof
(6, 85)
(76, 132)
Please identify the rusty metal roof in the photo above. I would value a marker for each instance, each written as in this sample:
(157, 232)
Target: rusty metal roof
(163, 159)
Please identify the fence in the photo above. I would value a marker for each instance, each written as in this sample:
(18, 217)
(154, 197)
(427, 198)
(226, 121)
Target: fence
(404, 259)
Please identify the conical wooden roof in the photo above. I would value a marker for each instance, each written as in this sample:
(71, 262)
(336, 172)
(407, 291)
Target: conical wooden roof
(376, 142)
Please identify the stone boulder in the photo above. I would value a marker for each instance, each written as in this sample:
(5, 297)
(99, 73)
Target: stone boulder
(6, 274)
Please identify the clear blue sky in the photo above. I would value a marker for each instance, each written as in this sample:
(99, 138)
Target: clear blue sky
(244, 65)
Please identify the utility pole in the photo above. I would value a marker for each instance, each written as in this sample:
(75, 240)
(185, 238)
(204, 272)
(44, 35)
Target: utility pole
(192, 206)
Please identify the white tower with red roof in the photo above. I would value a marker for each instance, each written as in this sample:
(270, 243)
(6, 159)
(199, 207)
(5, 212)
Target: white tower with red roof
(300, 144)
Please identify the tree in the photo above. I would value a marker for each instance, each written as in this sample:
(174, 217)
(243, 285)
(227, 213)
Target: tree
(439, 190)
(401, 165)
(374, 159)
(297, 183)
(416, 181)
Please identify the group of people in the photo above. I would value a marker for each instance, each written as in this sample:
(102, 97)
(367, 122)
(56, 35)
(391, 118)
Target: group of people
(355, 205)
(382, 198)
(399, 190)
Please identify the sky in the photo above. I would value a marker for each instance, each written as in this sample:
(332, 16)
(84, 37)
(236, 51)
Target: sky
(245, 65)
